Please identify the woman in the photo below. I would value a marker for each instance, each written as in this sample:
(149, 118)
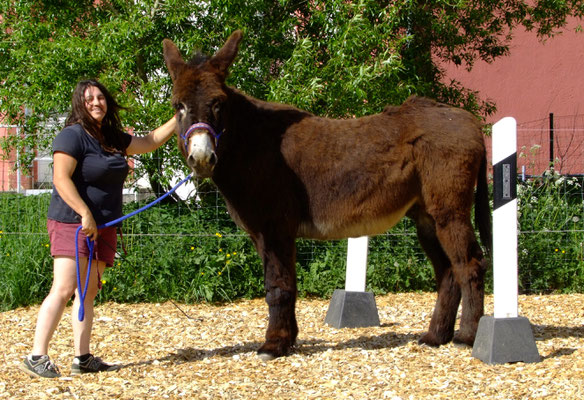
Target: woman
(89, 169)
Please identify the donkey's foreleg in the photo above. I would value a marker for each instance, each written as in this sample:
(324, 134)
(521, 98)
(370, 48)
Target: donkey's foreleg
(282, 327)
(280, 283)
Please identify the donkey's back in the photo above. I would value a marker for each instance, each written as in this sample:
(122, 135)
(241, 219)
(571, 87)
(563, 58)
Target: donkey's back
(363, 175)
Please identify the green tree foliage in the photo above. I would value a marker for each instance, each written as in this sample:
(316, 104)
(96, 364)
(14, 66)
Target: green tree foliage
(46, 47)
(332, 57)
(353, 57)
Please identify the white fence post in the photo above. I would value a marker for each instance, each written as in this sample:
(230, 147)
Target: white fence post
(357, 250)
(505, 219)
(505, 337)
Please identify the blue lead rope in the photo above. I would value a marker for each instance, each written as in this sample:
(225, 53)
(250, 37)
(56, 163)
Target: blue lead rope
(90, 244)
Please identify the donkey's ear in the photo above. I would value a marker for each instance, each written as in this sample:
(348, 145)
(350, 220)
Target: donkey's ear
(226, 54)
(172, 57)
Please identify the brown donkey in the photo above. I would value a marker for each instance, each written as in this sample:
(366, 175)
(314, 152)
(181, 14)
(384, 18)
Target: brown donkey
(285, 173)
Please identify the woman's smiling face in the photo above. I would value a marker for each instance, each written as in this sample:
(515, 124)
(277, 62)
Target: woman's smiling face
(95, 103)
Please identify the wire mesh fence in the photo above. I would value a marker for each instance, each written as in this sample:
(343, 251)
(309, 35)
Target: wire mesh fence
(192, 238)
(554, 141)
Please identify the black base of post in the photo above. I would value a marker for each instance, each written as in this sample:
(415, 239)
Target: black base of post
(352, 310)
(505, 340)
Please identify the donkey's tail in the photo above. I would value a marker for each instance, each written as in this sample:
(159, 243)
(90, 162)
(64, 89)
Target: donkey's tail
(482, 208)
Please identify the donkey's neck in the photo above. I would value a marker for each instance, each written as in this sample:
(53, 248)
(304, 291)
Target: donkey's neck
(270, 117)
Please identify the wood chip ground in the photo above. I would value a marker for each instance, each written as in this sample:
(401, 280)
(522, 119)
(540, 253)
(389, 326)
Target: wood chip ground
(211, 355)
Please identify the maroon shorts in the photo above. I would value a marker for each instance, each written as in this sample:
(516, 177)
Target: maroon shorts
(62, 238)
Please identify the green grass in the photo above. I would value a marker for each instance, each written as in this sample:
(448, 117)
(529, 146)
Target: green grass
(192, 251)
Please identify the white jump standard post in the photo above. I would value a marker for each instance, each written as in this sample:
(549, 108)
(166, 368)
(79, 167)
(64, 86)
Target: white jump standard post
(354, 307)
(505, 337)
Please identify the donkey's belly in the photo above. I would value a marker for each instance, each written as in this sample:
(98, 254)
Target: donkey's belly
(352, 226)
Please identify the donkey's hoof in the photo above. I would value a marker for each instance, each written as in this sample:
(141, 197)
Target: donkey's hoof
(265, 357)
(466, 340)
(273, 349)
(431, 339)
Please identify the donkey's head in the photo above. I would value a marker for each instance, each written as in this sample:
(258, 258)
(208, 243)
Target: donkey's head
(199, 98)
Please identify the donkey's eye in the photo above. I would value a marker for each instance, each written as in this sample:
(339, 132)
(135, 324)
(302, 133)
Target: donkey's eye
(215, 108)
(180, 108)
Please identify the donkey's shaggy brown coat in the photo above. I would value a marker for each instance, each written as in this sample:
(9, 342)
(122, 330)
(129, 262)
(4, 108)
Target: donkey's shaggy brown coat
(286, 173)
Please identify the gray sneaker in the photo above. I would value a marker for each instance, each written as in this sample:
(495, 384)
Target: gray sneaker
(43, 367)
(91, 365)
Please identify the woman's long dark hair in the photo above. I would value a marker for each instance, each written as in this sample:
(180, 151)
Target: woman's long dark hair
(111, 132)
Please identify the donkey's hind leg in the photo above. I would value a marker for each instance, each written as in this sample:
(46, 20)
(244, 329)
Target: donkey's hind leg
(443, 319)
(468, 267)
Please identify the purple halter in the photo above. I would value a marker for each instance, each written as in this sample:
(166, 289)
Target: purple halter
(199, 125)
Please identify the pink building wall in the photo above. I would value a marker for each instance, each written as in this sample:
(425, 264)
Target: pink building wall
(9, 181)
(536, 79)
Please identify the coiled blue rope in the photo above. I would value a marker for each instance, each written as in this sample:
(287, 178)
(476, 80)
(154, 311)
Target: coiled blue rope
(90, 244)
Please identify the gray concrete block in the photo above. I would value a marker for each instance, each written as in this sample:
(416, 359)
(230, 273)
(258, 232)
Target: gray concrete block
(352, 310)
(505, 340)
